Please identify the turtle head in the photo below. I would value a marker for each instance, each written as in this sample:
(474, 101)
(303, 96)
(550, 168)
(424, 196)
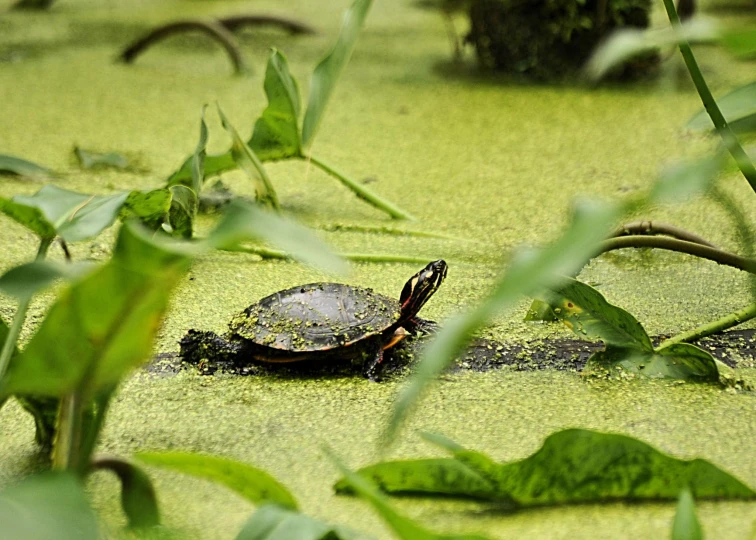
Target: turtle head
(421, 287)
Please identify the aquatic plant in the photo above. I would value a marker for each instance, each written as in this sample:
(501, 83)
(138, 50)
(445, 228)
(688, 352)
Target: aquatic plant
(277, 133)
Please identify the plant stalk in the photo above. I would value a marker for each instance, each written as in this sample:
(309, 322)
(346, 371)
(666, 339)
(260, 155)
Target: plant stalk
(19, 317)
(720, 123)
(728, 321)
(680, 246)
(654, 227)
(68, 440)
(361, 191)
(267, 253)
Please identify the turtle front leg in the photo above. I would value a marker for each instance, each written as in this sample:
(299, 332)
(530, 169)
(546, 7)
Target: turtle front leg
(423, 326)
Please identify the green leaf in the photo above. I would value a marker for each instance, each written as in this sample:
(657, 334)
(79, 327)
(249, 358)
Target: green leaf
(21, 167)
(740, 41)
(687, 179)
(627, 43)
(242, 222)
(25, 280)
(628, 348)
(586, 312)
(49, 505)
(255, 485)
(138, 498)
(74, 216)
(276, 132)
(403, 527)
(328, 71)
(272, 522)
(686, 525)
(738, 108)
(102, 326)
(680, 361)
(91, 160)
(149, 207)
(30, 217)
(430, 476)
(528, 272)
(582, 466)
(184, 206)
(248, 161)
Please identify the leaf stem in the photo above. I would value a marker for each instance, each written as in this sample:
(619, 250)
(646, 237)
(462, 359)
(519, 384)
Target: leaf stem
(720, 123)
(68, 439)
(728, 321)
(680, 246)
(19, 318)
(361, 191)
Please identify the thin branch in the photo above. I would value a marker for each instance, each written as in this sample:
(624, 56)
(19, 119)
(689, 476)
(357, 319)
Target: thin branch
(680, 246)
(64, 247)
(290, 25)
(714, 327)
(654, 227)
(213, 29)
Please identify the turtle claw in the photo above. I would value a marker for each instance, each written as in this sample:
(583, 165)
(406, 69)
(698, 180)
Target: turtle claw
(373, 365)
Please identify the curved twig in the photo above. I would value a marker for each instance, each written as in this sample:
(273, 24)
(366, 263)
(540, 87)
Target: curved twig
(653, 227)
(293, 27)
(680, 246)
(213, 29)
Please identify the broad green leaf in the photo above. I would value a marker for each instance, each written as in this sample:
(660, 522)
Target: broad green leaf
(102, 326)
(22, 167)
(403, 527)
(248, 161)
(149, 207)
(25, 280)
(627, 43)
(49, 505)
(586, 312)
(628, 348)
(3, 337)
(242, 222)
(686, 525)
(30, 217)
(580, 466)
(738, 108)
(680, 361)
(740, 41)
(75, 216)
(434, 476)
(528, 272)
(184, 206)
(328, 71)
(255, 485)
(138, 498)
(276, 132)
(91, 160)
(271, 522)
(687, 179)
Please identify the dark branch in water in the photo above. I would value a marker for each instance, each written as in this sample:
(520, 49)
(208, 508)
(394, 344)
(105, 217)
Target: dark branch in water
(290, 25)
(213, 29)
(653, 227)
(681, 246)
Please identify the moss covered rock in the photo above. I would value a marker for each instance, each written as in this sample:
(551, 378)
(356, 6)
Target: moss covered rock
(548, 39)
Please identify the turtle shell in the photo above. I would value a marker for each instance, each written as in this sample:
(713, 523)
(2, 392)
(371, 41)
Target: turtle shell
(316, 317)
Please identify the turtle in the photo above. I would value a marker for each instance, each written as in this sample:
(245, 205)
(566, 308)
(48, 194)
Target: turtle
(321, 321)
